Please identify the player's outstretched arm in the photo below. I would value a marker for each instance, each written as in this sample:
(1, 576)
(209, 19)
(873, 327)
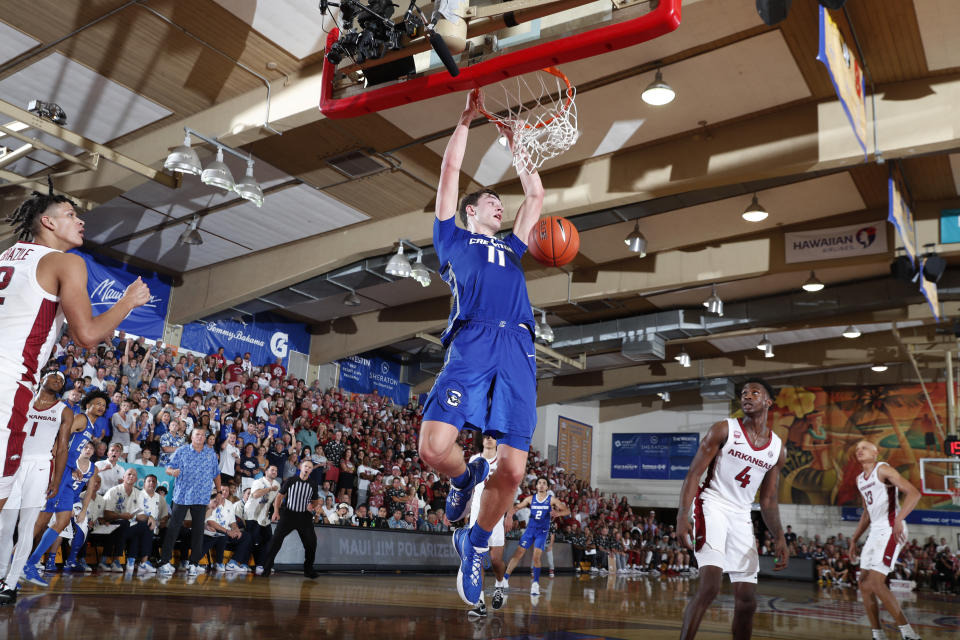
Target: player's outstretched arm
(559, 509)
(709, 446)
(532, 205)
(770, 510)
(911, 497)
(88, 330)
(449, 187)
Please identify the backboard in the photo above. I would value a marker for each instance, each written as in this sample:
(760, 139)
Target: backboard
(500, 40)
(938, 476)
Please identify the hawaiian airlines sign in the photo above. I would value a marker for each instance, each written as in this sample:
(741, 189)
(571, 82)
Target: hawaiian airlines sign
(836, 242)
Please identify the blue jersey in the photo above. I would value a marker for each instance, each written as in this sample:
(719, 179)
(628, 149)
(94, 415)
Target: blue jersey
(539, 514)
(77, 440)
(485, 277)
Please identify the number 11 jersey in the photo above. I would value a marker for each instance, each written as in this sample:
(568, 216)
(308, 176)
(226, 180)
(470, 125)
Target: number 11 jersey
(735, 473)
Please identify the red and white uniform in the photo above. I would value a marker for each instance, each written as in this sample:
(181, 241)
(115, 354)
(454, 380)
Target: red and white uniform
(29, 486)
(723, 529)
(880, 500)
(30, 323)
(497, 535)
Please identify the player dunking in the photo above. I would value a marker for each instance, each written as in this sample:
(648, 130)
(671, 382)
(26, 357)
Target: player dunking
(489, 377)
(879, 485)
(739, 456)
(40, 284)
(48, 431)
(537, 532)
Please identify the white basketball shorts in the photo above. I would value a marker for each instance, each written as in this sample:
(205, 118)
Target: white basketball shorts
(881, 550)
(724, 538)
(29, 486)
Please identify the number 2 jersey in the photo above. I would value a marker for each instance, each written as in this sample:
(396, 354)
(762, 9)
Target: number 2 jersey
(485, 277)
(735, 473)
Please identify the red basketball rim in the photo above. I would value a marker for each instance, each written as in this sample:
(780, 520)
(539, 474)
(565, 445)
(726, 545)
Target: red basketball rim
(568, 100)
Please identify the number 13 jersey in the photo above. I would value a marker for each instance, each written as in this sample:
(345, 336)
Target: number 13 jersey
(735, 473)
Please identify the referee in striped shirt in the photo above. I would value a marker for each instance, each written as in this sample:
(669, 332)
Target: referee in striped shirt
(292, 510)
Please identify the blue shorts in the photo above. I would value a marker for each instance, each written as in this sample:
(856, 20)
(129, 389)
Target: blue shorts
(535, 536)
(488, 382)
(63, 501)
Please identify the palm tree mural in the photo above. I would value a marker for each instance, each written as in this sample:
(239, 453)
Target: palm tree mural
(868, 402)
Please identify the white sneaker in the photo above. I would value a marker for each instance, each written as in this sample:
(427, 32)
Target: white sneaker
(194, 570)
(219, 568)
(131, 565)
(145, 567)
(535, 589)
(167, 570)
(258, 570)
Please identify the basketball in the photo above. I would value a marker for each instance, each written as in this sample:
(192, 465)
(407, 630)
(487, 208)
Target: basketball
(554, 242)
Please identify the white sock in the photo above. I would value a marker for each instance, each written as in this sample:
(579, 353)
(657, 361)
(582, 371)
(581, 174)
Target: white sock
(8, 521)
(878, 634)
(907, 631)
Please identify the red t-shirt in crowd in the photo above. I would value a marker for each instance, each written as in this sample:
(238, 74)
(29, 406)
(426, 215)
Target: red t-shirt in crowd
(251, 398)
(234, 372)
(277, 371)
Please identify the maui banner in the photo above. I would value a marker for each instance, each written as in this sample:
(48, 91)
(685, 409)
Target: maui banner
(364, 373)
(846, 75)
(821, 426)
(835, 242)
(266, 338)
(107, 279)
(653, 456)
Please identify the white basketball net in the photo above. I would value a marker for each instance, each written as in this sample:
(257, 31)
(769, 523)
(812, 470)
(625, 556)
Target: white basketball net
(543, 118)
(955, 495)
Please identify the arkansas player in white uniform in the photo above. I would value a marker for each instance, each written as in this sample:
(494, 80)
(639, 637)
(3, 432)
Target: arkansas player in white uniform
(48, 431)
(879, 485)
(739, 457)
(40, 284)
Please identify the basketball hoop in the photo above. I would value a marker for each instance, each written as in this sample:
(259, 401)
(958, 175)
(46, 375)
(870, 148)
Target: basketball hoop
(543, 119)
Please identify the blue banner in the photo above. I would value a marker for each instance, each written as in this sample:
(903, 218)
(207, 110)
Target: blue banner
(363, 374)
(917, 516)
(653, 456)
(107, 279)
(265, 338)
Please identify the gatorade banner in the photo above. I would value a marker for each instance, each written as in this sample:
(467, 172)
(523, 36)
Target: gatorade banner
(265, 338)
(107, 279)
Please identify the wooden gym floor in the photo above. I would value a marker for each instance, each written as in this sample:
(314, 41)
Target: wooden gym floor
(378, 607)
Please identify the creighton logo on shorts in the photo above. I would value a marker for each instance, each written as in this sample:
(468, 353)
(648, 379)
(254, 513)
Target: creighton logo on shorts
(454, 397)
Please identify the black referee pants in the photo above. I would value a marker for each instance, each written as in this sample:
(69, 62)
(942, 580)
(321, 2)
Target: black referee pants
(290, 521)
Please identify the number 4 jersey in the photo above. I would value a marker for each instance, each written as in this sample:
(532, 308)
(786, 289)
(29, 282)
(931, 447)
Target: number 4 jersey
(735, 473)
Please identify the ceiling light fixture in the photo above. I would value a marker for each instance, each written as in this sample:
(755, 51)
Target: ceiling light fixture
(768, 350)
(714, 304)
(541, 330)
(754, 212)
(217, 174)
(851, 332)
(191, 236)
(248, 189)
(398, 265)
(879, 368)
(419, 271)
(352, 299)
(683, 358)
(664, 395)
(636, 242)
(658, 92)
(813, 283)
(183, 159)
